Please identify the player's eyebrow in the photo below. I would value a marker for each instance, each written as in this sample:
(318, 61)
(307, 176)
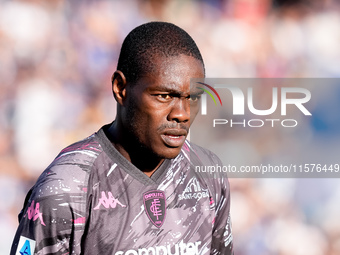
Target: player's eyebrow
(170, 88)
(196, 92)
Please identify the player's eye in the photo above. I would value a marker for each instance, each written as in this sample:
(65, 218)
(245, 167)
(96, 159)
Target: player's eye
(194, 98)
(164, 96)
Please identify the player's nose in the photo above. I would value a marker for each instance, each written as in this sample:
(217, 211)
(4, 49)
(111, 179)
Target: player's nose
(180, 112)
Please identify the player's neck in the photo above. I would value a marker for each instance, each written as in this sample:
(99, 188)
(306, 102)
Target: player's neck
(140, 157)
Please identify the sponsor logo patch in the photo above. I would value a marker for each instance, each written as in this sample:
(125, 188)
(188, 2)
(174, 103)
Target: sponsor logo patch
(193, 190)
(26, 246)
(177, 249)
(155, 206)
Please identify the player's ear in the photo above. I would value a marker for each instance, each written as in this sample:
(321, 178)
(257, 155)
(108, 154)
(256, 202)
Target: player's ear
(119, 86)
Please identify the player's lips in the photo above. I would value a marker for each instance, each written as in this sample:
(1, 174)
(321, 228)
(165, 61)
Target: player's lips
(174, 138)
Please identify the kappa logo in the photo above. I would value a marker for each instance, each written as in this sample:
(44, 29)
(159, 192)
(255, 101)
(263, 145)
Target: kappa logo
(108, 201)
(193, 190)
(154, 204)
(26, 246)
(34, 213)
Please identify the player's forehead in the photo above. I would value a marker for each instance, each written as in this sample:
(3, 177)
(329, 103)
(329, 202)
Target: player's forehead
(184, 61)
(172, 73)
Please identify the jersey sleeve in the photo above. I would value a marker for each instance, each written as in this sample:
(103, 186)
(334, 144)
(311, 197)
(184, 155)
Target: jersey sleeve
(222, 238)
(218, 184)
(53, 216)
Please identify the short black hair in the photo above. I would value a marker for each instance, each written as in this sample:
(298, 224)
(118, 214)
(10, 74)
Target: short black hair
(153, 39)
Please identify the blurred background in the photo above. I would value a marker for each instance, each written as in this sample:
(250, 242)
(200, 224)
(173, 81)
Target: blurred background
(56, 60)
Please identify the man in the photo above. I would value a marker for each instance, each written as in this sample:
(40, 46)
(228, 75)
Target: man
(130, 188)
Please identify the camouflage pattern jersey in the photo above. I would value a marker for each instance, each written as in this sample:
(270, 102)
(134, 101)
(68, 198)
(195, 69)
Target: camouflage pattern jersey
(91, 200)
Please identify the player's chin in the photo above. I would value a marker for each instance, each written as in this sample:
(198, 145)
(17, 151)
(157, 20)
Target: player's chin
(170, 153)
